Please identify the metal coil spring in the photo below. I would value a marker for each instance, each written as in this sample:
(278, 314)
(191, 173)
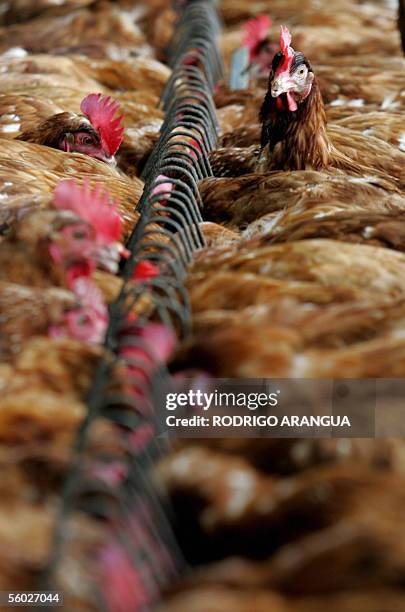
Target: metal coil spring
(167, 234)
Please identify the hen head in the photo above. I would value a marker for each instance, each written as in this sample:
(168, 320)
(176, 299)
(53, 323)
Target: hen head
(87, 322)
(98, 241)
(102, 113)
(73, 250)
(98, 133)
(291, 76)
(261, 51)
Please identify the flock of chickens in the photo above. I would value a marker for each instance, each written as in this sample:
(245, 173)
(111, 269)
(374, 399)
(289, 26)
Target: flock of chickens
(80, 84)
(303, 276)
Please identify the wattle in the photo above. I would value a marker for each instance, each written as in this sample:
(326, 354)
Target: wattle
(292, 105)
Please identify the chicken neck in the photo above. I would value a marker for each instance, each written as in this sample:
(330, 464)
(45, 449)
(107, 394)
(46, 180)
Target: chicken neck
(294, 140)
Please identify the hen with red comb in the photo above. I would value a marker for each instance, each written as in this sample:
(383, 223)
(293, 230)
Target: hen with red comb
(261, 50)
(102, 112)
(100, 215)
(93, 206)
(256, 32)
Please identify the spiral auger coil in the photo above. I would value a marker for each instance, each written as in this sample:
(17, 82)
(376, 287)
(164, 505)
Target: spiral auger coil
(129, 378)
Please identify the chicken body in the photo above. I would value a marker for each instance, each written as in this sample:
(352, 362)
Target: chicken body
(336, 530)
(339, 29)
(401, 22)
(37, 111)
(315, 303)
(61, 241)
(27, 168)
(102, 31)
(303, 283)
(305, 278)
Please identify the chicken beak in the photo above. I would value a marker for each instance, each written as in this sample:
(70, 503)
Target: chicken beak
(281, 84)
(110, 159)
(104, 157)
(108, 257)
(125, 254)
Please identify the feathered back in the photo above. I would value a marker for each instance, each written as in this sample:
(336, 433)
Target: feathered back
(288, 52)
(256, 31)
(91, 205)
(101, 112)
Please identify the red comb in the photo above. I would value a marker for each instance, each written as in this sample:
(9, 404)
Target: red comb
(101, 112)
(145, 270)
(160, 339)
(256, 31)
(91, 205)
(112, 473)
(122, 583)
(285, 41)
(163, 187)
(159, 342)
(142, 436)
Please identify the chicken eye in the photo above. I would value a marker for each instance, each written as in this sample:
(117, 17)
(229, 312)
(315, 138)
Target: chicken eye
(80, 232)
(87, 140)
(301, 71)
